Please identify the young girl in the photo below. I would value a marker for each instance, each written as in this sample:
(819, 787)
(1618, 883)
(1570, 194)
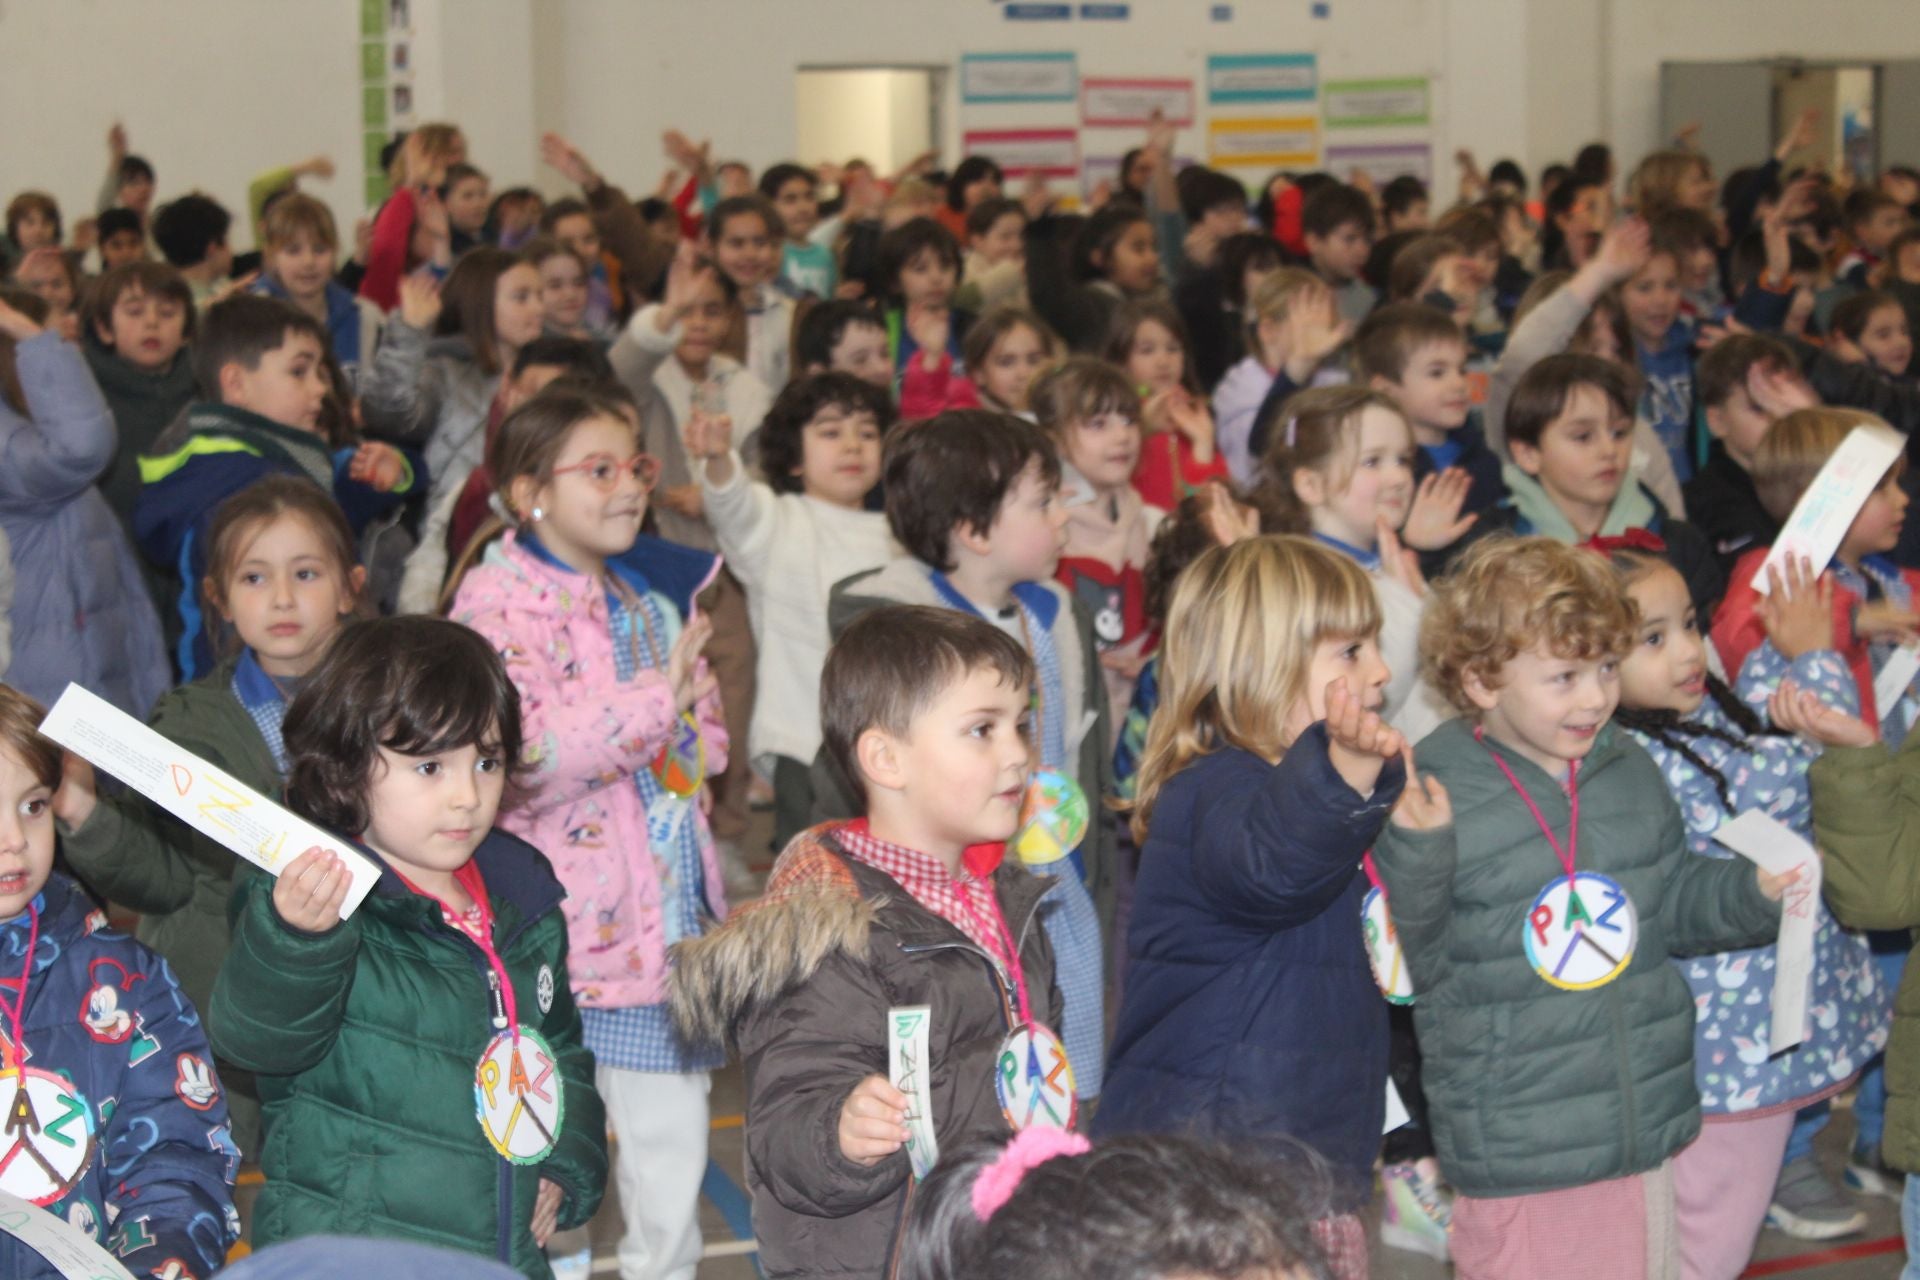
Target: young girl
(789, 539)
(1005, 351)
(1077, 288)
(102, 1122)
(282, 572)
(1295, 326)
(1145, 1205)
(1871, 328)
(442, 359)
(1662, 347)
(1249, 1010)
(375, 1037)
(1720, 759)
(600, 636)
(301, 250)
(80, 610)
(563, 287)
(995, 273)
(1149, 344)
(1093, 415)
(52, 274)
(918, 265)
(418, 171)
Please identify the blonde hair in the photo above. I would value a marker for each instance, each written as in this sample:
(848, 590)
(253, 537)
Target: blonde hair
(1273, 297)
(1655, 184)
(435, 142)
(1237, 649)
(1318, 430)
(1508, 595)
(296, 214)
(1794, 449)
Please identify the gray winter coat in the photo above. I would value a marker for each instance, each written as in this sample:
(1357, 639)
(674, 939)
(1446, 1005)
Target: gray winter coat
(432, 393)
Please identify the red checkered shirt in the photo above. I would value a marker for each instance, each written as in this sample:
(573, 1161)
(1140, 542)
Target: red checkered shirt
(963, 901)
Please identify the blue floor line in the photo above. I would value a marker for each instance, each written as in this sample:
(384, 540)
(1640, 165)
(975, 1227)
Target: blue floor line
(726, 1196)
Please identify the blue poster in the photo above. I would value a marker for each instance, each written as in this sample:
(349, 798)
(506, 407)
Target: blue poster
(1262, 77)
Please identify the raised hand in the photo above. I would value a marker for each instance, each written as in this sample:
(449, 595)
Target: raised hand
(1624, 249)
(684, 677)
(1800, 136)
(1434, 520)
(873, 1122)
(1424, 805)
(320, 167)
(1800, 713)
(74, 800)
(16, 324)
(1315, 330)
(1228, 519)
(708, 435)
(378, 466)
(1798, 609)
(1777, 390)
(1359, 742)
(1192, 419)
(308, 892)
(567, 158)
(419, 300)
(1400, 563)
(117, 142)
(1883, 620)
(684, 279)
(930, 328)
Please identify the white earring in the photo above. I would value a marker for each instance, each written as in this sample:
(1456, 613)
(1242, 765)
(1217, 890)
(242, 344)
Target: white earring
(538, 515)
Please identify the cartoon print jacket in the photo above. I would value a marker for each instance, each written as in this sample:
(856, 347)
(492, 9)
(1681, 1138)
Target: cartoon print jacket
(105, 1019)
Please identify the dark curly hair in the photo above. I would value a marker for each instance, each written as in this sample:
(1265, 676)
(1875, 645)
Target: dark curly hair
(415, 685)
(957, 468)
(783, 432)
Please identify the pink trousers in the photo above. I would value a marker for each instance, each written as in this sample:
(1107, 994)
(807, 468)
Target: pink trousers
(1623, 1229)
(1722, 1183)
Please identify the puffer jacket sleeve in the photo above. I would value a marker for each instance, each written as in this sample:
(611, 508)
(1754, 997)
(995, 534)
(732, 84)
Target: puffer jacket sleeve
(282, 994)
(136, 855)
(1866, 819)
(1277, 855)
(805, 1055)
(6, 603)
(67, 438)
(1710, 904)
(576, 732)
(400, 396)
(173, 1112)
(579, 1160)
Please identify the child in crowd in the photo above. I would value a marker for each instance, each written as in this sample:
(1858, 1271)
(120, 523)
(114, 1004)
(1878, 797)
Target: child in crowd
(1295, 328)
(1093, 414)
(118, 1122)
(1570, 431)
(192, 235)
(1342, 471)
(1744, 383)
(442, 357)
(1568, 1016)
(972, 497)
(1112, 258)
(33, 222)
(416, 174)
(1870, 328)
(1337, 225)
(843, 336)
(1871, 219)
(283, 575)
(299, 256)
(78, 608)
(806, 247)
(138, 320)
(571, 222)
(1662, 345)
(743, 239)
(53, 276)
(1005, 352)
(1140, 1205)
(123, 238)
(1149, 345)
(922, 711)
(466, 196)
(263, 362)
(1268, 772)
(995, 273)
(453, 970)
(1720, 759)
(789, 539)
(918, 266)
(599, 634)
(565, 297)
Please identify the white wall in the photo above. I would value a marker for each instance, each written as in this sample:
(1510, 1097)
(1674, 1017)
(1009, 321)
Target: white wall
(214, 91)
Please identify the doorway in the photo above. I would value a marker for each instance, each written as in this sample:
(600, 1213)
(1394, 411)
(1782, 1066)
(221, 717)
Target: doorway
(885, 115)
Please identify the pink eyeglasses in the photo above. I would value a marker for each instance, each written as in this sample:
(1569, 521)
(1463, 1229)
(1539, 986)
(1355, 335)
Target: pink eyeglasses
(605, 470)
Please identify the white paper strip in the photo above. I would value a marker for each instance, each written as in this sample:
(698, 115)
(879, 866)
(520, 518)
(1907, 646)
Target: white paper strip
(1890, 685)
(1397, 1113)
(910, 1071)
(1776, 849)
(70, 1250)
(1821, 517)
(202, 795)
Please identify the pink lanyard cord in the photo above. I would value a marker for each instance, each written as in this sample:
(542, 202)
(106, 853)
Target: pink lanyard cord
(1571, 850)
(16, 1010)
(1373, 872)
(1011, 956)
(481, 935)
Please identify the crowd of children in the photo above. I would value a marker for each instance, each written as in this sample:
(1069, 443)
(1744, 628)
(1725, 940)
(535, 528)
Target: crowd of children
(1247, 690)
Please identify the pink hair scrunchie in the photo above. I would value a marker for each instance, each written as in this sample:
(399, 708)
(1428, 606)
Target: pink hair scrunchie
(1029, 1149)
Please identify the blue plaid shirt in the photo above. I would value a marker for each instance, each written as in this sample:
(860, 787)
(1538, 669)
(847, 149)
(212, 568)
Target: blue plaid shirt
(261, 697)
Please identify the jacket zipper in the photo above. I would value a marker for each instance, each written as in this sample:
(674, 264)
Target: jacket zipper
(1629, 1110)
(503, 1178)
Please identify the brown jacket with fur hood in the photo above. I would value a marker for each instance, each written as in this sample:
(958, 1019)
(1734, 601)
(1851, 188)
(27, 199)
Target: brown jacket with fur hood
(801, 981)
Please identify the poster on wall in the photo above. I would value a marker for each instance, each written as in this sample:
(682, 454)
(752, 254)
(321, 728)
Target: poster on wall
(1052, 153)
(1366, 104)
(1018, 77)
(1270, 142)
(1261, 77)
(1124, 103)
(1381, 161)
(386, 84)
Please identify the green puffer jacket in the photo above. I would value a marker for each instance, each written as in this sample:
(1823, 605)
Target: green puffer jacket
(1866, 819)
(365, 1040)
(1533, 1088)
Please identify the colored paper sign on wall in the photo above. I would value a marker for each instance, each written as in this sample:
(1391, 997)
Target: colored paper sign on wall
(1349, 104)
(1105, 12)
(1055, 153)
(1262, 77)
(1381, 161)
(1265, 141)
(1018, 77)
(1115, 101)
(1038, 12)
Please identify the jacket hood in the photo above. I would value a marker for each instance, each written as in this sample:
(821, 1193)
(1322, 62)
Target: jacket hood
(122, 379)
(1633, 508)
(554, 591)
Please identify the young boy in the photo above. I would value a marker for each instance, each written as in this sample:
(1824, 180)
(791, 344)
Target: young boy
(122, 238)
(744, 236)
(1337, 225)
(467, 195)
(136, 324)
(121, 1128)
(1661, 343)
(1872, 219)
(843, 336)
(922, 710)
(262, 358)
(1560, 831)
(806, 250)
(1744, 382)
(971, 496)
(995, 269)
(192, 234)
(301, 251)
(1570, 432)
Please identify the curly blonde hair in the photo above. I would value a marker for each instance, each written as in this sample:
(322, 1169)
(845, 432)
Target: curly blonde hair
(1508, 595)
(1237, 648)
